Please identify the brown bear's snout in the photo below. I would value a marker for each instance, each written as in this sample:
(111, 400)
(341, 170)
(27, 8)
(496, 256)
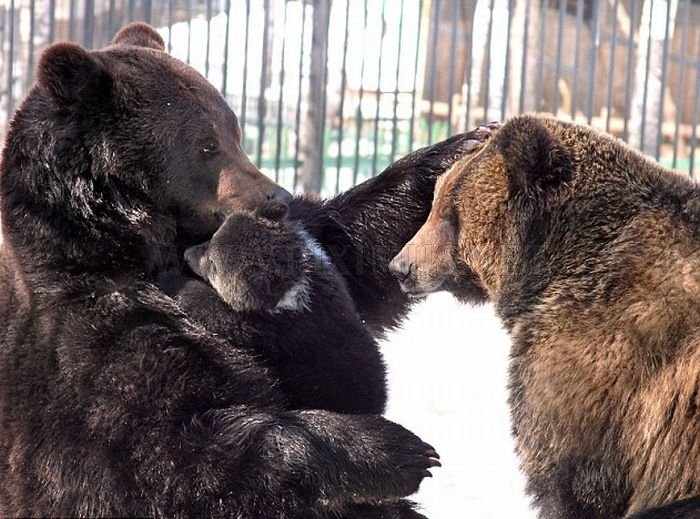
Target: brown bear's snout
(401, 267)
(424, 264)
(409, 270)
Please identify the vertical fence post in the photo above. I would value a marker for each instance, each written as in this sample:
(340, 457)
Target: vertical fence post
(313, 142)
(10, 60)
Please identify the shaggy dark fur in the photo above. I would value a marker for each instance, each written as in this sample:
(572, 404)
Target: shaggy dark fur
(112, 402)
(591, 254)
(276, 292)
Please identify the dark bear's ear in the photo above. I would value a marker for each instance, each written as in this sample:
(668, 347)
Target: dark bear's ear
(71, 74)
(140, 35)
(535, 158)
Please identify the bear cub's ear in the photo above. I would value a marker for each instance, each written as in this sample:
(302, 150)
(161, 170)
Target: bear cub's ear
(140, 35)
(535, 158)
(71, 74)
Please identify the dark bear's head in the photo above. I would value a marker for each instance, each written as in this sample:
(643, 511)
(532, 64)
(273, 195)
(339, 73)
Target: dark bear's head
(258, 262)
(118, 153)
(478, 204)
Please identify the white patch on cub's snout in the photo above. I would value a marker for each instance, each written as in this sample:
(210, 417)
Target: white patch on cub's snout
(298, 298)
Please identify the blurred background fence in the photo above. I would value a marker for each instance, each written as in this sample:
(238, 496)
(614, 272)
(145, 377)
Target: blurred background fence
(329, 92)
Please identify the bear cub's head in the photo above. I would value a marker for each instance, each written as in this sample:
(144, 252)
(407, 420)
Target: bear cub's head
(258, 261)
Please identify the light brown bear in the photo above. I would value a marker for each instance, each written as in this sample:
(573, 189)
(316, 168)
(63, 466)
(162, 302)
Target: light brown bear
(591, 255)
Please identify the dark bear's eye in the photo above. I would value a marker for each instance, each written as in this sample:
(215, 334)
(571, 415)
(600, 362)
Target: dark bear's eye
(210, 149)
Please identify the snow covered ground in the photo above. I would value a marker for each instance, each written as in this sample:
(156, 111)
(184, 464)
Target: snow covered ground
(447, 379)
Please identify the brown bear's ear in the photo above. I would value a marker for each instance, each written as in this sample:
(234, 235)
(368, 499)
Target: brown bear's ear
(140, 35)
(71, 74)
(535, 158)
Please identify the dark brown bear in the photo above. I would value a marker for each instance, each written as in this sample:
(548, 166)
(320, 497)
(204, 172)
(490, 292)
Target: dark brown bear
(591, 254)
(272, 288)
(112, 401)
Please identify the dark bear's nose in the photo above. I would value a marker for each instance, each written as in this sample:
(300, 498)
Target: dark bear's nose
(401, 268)
(280, 194)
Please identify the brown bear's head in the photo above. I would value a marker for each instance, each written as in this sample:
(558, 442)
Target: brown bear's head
(460, 247)
(123, 152)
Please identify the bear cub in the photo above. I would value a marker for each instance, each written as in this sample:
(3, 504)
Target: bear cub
(272, 286)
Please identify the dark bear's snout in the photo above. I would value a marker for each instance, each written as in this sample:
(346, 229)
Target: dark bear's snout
(242, 186)
(281, 195)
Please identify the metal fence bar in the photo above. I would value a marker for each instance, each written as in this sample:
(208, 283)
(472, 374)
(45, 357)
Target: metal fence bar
(227, 36)
(394, 121)
(560, 43)
(358, 111)
(628, 74)
(611, 68)
(89, 24)
(111, 22)
(208, 46)
(523, 64)
(262, 102)
(189, 31)
(577, 54)
(147, 11)
(170, 34)
(681, 82)
(664, 68)
(415, 75)
(297, 116)
(30, 47)
(694, 121)
(71, 21)
(595, 43)
(52, 21)
(453, 65)
(487, 60)
(280, 102)
(378, 92)
(506, 76)
(324, 101)
(643, 126)
(10, 56)
(244, 97)
(433, 59)
(541, 59)
(341, 108)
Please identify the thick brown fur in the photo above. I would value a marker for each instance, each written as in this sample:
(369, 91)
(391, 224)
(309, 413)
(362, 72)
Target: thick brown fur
(591, 255)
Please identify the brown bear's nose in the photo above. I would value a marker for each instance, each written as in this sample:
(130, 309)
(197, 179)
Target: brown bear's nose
(401, 268)
(280, 194)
